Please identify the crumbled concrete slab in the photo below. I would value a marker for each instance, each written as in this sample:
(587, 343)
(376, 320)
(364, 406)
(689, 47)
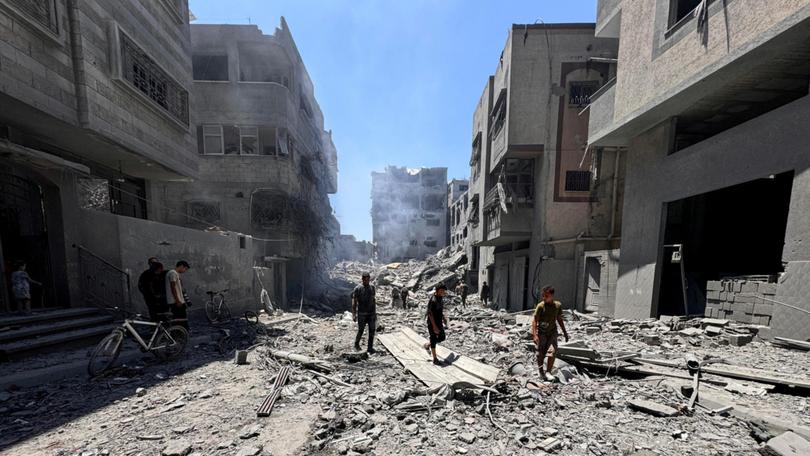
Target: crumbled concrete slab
(787, 444)
(653, 408)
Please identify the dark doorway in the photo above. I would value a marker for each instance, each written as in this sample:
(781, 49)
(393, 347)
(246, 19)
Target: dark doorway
(24, 237)
(593, 278)
(735, 231)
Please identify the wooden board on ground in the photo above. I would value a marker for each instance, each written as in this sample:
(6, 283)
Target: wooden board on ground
(745, 373)
(407, 346)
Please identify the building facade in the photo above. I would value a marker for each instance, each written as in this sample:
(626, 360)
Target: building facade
(542, 202)
(457, 204)
(712, 111)
(408, 212)
(266, 164)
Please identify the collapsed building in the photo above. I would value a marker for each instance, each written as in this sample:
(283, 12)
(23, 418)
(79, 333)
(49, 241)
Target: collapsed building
(710, 103)
(543, 208)
(348, 248)
(266, 164)
(408, 212)
(99, 136)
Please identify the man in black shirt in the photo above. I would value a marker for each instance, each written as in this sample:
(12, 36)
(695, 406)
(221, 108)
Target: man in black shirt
(485, 294)
(364, 311)
(436, 321)
(151, 287)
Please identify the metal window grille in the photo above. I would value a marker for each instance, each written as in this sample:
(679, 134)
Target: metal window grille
(43, 12)
(206, 211)
(577, 181)
(581, 92)
(142, 72)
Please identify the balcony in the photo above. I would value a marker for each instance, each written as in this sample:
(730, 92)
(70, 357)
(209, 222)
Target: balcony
(600, 116)
(505, 227)
(265, 102)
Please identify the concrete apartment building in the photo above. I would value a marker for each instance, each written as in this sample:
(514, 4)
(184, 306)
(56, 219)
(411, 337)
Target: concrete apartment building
(713, 113)
(266, 164)
(408, 212)
(543, 209)
(457, 205)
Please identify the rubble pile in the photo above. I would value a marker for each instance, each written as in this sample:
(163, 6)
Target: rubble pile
(622, 387)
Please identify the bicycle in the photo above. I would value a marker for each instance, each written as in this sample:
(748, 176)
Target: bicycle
(168, 342)
(243, 332)
(216, 310)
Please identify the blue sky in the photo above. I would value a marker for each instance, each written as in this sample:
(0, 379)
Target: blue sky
(397, 80)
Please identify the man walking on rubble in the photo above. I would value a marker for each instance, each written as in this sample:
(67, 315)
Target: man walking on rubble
(485, 294)
(364, 311)
(396, 299)
(436, 321)
(403, 293)
(547, 315)
(461, 290)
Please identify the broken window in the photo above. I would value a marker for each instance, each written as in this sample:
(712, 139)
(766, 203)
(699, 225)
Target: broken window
(519, 180)
(249, 140)
(94, 194)
(473, 216)
(580, 92)
(210, 67)
(230, 137)
(433, 202)
(577, 181)
(475, 157)
(267, 210)
(430, 243)
(498, 115)
(202, 212)
(212, 139)
(268, 141)
(679, 9)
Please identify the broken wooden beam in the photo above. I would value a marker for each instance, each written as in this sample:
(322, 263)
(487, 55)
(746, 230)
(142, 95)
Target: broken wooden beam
(270, 401)
(306, 361)
(792, 343)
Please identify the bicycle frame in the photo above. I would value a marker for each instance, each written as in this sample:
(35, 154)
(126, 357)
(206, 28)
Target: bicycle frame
(128, 326)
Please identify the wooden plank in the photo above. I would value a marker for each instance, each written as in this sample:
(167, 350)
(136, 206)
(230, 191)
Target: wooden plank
(745, 373)
(485, 372)
(407, 347)
(793, 343)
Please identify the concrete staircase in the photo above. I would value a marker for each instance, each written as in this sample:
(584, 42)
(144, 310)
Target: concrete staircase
(51, 331)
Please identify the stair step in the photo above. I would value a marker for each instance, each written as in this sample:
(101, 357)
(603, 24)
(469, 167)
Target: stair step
(53, 327)
(89, 335)
(48, 315)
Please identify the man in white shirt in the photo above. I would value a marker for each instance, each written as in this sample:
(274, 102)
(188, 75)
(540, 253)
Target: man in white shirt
(174, 293)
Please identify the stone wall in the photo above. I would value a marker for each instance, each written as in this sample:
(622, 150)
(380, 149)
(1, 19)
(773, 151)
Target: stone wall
(743, 301)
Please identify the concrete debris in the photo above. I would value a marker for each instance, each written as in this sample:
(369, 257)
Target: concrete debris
(488, 399)
(787, 444)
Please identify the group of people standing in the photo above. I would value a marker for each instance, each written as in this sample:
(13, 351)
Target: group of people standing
(163, 292)
(547, 317)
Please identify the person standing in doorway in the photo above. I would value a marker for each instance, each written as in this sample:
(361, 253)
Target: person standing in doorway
(175, 296)
(461, 290)
(436, 322)
(485, 294)
(547, 315)
(364, 311)
(21, 287)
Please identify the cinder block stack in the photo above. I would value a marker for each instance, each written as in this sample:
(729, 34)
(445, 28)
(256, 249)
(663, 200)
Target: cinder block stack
(740, 300)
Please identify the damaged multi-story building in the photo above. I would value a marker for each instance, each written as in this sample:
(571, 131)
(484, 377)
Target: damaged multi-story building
(457, 205)
(266, 164)
(408, 212)
(544, 209)
(710, 102)
(99, 137)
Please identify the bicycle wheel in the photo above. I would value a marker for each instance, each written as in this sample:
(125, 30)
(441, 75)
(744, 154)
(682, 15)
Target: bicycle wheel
(224, 313)
(213, 308)
(251, 318)
(226, 345)
(105, 353)
(170, 343)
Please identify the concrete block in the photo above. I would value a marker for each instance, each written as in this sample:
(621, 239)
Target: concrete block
(713, 330)
(744, 307)
(749, 287)
(742, 317)
(768, 289)
(728, 306)
(653, 408)
(712, 294)
(763, 308)
(744, 298)
(787, 444)
(764, 332)
(724, 295)
(713, 322)
(736, 286)
(714, 285)
(739, 340)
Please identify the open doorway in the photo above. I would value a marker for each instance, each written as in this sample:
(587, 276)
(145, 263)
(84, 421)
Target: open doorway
(593, 279)
(734, 231)
(24, 238)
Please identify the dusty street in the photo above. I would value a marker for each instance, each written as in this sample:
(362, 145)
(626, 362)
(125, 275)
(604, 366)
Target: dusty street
(206, 404)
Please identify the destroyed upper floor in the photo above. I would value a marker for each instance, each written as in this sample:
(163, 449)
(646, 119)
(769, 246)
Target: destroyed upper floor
(255, 98)
(707, 70)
